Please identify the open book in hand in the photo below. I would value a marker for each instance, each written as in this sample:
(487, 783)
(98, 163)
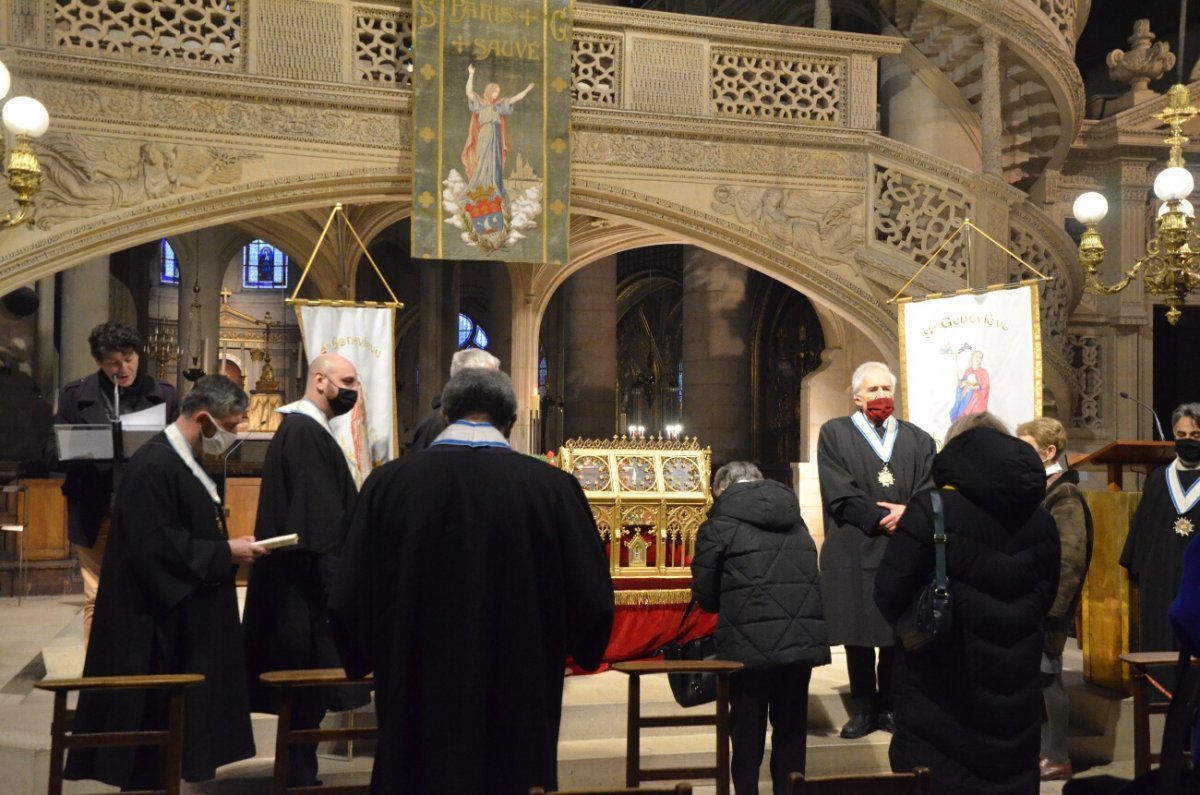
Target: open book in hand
(278, 542)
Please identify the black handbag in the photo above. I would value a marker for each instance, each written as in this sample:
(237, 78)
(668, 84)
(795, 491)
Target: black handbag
(928, 620)
(692, 690)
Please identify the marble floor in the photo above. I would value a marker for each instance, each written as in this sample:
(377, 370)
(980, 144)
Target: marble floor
(41, 637)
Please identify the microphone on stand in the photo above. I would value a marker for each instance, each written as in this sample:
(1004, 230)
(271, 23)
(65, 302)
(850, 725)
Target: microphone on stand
(1153, 414)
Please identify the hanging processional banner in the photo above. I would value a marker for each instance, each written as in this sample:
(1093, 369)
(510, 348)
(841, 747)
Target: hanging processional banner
(491, 115)
(971, 352)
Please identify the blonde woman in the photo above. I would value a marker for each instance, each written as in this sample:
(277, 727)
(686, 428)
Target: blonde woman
(1065, 503)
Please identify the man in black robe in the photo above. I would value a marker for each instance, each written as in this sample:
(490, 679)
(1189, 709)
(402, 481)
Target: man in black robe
(167, 603)
(1162, 528)
(870, 464)
(307, 487)
(469, 574)
(116, 349)
(435, 423)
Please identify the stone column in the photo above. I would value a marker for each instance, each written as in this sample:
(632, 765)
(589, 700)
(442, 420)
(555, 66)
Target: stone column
(500, 315)
(84, 306)
(451, 289)
(590, 350)
(203, 257)
(990, 108)
(430, 363)
(822, 15)
(716, 354)
(523, 369)
(46, 364)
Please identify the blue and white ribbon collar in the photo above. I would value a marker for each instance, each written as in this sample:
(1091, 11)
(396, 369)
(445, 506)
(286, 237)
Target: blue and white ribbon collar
(882, 447)
(464, 433)
(1184, 500)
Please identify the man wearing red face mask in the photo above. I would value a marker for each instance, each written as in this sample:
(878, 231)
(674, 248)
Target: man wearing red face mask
(870, 464)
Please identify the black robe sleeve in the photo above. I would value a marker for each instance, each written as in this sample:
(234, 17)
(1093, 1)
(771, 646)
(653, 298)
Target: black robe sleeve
(351, 603)
(907, 563)
(167, 560)
(840, 491)
(307, 487)
(589, 588)
(706, 567)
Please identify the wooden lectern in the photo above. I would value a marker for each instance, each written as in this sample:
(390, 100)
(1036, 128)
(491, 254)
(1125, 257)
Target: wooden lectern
(1109, 603)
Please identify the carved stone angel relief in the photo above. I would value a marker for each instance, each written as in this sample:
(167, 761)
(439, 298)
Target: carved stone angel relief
(821, 224)
(86, 176)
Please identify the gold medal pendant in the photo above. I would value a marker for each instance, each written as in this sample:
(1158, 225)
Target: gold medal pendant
(1184, 526)
(886, 478)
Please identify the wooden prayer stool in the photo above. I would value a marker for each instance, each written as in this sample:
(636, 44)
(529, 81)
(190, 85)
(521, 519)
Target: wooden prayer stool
(286, 736)
(683, 788)
(61, 737)
(1139, 664)
(918, 782)
(634, 772)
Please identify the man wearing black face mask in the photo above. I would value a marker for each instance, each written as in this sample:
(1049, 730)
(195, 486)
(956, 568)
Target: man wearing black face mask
(1163, 526)
(870, 464)
(307, 485)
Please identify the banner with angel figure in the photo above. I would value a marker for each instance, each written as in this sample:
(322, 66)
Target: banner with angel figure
(971, 352)
(491, 117)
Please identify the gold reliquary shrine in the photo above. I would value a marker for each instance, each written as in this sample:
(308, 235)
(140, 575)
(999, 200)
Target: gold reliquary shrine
(648, 496)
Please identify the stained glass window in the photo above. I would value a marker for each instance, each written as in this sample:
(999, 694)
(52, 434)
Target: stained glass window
(470, 333)
(168, 266)
(264, 267)
(543, 371)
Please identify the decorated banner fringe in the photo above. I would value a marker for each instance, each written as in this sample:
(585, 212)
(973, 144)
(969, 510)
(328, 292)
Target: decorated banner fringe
(674, 596)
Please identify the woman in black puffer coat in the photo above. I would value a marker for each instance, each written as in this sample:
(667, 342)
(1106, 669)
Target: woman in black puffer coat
(970, 709)
(756, 567)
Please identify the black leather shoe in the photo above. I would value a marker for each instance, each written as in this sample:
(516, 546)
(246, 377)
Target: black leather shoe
(887, 722)
(859, 726)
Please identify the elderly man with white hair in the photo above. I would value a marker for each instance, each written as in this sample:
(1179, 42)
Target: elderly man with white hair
(870, 465)
(434, 424)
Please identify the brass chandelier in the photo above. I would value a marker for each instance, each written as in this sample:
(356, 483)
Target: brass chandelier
(26, 119)
(1170, 260)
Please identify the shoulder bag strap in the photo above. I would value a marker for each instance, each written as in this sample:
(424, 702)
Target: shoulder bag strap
(939, 540)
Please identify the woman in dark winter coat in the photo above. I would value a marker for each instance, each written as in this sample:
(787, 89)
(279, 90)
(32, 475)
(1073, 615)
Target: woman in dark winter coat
(756, 567)
(970, 708)
(1065, 503)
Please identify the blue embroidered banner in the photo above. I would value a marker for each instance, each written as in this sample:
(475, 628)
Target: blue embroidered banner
(491, 114)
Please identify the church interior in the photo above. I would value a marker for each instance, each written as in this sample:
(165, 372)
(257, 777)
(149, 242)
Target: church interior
(752, 182)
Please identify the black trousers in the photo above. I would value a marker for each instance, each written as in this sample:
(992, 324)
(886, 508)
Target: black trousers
(308, 710)
(870, 695)
(782, 695)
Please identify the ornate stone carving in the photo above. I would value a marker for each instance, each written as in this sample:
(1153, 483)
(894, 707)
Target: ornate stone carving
(383, 42)
(1143, 62)
(192, 31)
(663, 76)
(1086, 357)
(663, 151)
(90, 176)
(825, 225)
(276, 123)
(596, 66)
(1053, 296)
(305, 40)
(913, 216)
(1061, 14)
(771, 84)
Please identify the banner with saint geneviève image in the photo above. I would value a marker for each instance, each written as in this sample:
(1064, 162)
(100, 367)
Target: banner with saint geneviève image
(365, 336)
(971, 352)
(491, 130)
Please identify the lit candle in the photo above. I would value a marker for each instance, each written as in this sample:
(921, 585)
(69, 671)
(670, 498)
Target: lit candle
(204, 356)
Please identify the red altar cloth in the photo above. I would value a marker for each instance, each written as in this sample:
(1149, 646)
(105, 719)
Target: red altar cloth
(648, 612)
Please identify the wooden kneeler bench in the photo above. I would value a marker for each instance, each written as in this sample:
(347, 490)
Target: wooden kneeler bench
(1140, 662)
(634, 772)
(286, 736)
(62, 738)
